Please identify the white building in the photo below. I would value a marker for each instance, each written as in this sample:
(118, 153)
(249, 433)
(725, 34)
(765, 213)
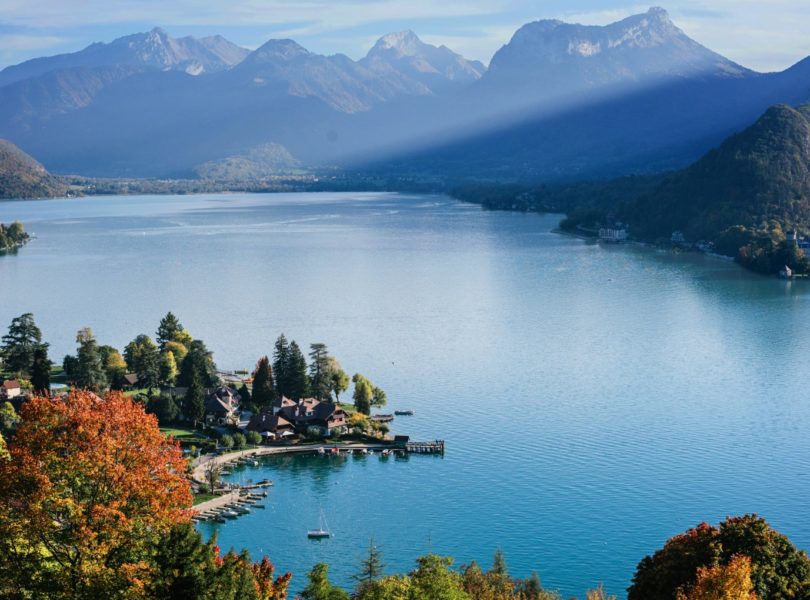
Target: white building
(607, 234)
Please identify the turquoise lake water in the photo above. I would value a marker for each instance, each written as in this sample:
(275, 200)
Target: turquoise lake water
(595, 400)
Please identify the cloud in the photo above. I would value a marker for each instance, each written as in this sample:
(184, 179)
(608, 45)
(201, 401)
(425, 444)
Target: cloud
(322, 15)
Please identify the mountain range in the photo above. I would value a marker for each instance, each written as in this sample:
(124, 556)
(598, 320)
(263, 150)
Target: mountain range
(557, 101)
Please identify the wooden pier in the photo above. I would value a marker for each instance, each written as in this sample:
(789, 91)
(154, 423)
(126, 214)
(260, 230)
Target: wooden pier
(434, 447)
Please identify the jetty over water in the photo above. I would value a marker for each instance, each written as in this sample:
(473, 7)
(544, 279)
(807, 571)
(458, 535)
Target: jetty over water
(434, 447)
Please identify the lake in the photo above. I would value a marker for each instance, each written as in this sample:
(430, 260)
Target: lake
(594, 400)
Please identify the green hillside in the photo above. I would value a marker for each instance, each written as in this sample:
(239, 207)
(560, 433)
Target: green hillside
(260, 162)
(758, 175)
(745, 195)
(23, 177)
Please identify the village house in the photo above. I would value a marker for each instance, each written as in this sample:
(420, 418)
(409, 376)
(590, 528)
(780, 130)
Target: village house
(271, 426)
(129, 381)
(222, 406)
(287, 415)
(9, 389)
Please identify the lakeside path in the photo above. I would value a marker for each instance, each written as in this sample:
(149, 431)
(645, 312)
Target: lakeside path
(198, 472)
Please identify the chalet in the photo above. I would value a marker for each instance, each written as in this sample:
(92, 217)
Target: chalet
(271, 425)
(222, 406)
(329, 417)
(129, 381)
(9, 389)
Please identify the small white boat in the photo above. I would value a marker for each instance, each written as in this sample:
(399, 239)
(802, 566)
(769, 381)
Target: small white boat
(229, 514)
(242, 510)
(322, 531)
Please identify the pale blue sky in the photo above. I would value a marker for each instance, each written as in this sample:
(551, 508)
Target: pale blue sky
(761, 34)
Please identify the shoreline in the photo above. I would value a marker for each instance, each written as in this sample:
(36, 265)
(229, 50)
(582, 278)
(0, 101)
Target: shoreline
(198, 466)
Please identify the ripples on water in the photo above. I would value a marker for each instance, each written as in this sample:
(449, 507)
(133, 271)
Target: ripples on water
(595, 401)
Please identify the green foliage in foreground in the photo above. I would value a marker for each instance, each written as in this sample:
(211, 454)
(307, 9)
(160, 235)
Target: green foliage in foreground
(778, 570)
(433, 577)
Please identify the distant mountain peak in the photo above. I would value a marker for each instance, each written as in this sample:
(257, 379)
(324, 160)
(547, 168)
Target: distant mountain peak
(569, 57)
(284, 49)
(402, 52)
(405, 43)
(153, 49)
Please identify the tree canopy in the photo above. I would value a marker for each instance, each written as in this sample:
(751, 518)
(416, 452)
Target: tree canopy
(20, 344)
(778, 570)
(264, 391)
(90, 483)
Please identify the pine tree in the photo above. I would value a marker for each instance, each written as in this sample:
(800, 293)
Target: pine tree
(183, 565)
(371, 567)
(41, 371)
(281, 358)
(319, 586)
(19, 344)
(245, 394)
(169, 326)
(296, 370)
(90, 374)
(319, 377)
(499, 564)
(200, 362)
(264, 393)
(500, 573)
(194, 403)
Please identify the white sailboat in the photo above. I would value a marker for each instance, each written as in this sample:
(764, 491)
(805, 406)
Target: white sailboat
(321, 532)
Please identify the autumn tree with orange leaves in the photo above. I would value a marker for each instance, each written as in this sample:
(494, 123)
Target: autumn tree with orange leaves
(723, 582)
(89, 494)
(90, 484)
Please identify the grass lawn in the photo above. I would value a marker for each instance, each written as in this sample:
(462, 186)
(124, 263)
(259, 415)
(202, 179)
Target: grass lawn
(180, 434)
(202, 497)
(131, 393)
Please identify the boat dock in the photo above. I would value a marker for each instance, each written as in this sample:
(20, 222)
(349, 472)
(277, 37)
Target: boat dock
(434, 447)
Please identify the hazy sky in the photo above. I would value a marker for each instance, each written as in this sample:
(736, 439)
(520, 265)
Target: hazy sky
(761, 34)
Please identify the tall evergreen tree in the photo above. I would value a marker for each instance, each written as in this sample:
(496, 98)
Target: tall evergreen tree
(264, 392)
(371, 567)
(296, 371)
(245, 394)
(281, 358)
(319, 380)
(319, 586)
(194, 402)
(169, 326)
(200, 361)
(183, 565)
(19, 344)
(143, 358)
(41, 371)
(90, 374)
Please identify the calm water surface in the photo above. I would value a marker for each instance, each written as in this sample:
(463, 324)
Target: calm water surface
(595, 401)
